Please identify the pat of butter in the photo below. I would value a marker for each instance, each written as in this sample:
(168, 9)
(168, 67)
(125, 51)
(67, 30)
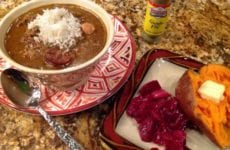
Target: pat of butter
(212, 91)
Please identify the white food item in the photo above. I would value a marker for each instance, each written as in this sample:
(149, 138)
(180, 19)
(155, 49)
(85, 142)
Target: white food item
(211, 90)
(58, 27)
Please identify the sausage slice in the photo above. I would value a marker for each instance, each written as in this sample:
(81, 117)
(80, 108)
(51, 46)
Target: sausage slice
(57, 58)
(88, 28)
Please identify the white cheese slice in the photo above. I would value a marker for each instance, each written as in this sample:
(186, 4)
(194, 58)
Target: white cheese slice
(211, 90)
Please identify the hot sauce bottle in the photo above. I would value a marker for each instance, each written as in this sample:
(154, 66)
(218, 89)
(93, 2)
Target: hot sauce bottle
(156, 19)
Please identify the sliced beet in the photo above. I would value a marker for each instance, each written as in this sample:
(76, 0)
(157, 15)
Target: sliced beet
(161, 136)
(132, 108)
(149, 88)
(157, 94)
(177, 142)
(154, 148)
(159, 117)
(138, 109)
(147, 128)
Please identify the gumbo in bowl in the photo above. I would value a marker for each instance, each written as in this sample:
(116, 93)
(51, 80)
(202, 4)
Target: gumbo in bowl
(55, 36)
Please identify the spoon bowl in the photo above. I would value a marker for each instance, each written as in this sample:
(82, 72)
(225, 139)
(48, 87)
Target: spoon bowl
(21, 92)
(16, 87)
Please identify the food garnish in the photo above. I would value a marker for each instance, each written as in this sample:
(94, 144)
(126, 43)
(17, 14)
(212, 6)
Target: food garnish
(211, 90)
(57, 27)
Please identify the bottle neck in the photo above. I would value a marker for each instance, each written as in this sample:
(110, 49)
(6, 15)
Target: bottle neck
(160, 3)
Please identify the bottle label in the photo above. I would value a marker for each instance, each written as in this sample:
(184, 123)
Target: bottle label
(155, 19)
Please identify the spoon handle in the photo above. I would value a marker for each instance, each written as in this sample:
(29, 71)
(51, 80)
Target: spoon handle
(63, 135)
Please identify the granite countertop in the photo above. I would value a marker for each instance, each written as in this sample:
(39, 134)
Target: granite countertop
(197, 28)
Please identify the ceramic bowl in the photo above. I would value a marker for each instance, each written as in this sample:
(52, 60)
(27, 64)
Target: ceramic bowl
(69, 77)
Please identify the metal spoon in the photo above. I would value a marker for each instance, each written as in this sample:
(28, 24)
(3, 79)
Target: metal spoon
(18, 89)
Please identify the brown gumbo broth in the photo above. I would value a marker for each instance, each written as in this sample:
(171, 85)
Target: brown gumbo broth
(22, 47)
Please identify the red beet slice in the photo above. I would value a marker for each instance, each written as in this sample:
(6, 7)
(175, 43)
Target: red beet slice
(146, 128)
(177, 142)
(149, 88)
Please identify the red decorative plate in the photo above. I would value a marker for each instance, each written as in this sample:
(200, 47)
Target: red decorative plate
(142, 74)
(109, 76)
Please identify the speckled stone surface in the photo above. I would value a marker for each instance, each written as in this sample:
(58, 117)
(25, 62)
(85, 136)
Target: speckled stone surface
(197, 28)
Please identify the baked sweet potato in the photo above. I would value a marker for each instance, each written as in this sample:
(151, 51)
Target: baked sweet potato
(213, 118)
